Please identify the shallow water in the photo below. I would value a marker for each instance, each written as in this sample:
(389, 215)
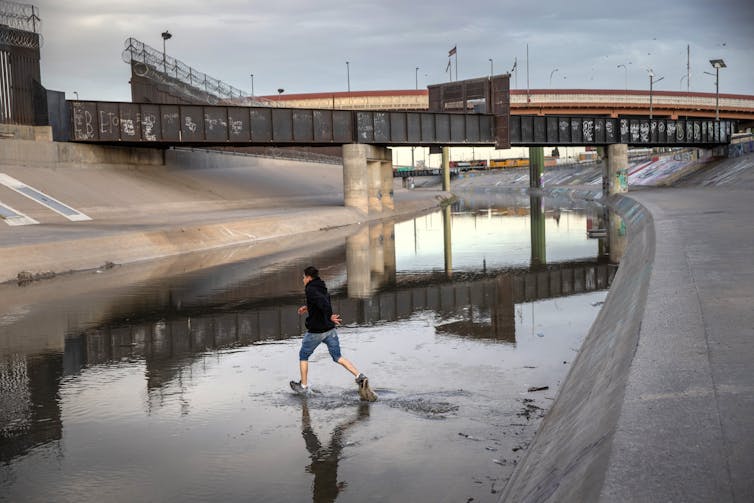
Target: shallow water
(175, 388)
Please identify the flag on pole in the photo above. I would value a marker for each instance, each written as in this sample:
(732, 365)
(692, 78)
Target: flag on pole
(452, 51)
(448, 67)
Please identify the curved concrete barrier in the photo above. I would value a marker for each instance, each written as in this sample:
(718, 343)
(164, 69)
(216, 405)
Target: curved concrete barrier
(568, 459)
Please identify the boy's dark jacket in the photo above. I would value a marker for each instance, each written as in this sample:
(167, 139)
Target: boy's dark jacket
(318, 306)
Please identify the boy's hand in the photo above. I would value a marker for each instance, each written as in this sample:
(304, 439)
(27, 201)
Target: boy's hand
(335, 318)
(302, 310)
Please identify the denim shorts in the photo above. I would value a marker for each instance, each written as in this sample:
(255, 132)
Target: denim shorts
(311, 341)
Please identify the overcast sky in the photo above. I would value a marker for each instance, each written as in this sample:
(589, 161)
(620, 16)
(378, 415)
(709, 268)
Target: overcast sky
(303, 45)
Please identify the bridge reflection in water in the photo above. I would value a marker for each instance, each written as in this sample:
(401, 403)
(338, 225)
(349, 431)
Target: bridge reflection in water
(179, 325)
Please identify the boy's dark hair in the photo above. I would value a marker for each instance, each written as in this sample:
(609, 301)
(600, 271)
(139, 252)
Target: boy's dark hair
(311, 271)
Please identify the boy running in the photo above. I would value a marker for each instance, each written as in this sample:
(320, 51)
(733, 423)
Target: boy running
(320, 328)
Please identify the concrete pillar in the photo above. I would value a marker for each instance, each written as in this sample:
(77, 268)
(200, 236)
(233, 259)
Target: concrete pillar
(447, 241)
(617, 169)
(536, 166)
(388, 203)
(374, 188)
(616, 235)
(446, 169)
(355, 183)
(358, 271)
(538, 242)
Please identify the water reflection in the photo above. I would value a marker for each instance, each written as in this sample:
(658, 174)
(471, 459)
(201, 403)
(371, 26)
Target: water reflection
(470, 265)
(325, 458)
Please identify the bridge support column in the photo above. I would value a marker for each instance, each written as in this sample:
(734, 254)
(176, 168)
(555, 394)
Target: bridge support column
(617, 239)
(446, 169)
(365, 168)
(536, 166)
(386, 170)
(616, 169)
(374, 176)
(355, 177)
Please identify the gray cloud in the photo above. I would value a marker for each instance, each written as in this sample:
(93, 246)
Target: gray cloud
(302, 46)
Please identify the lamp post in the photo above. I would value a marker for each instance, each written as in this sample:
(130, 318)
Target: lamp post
(252, 85)
(551, 73)
(165, 37)
(77, 95)
(348, 76)
(491, 71)
(717, 64)
(652, 80)
(416, 76)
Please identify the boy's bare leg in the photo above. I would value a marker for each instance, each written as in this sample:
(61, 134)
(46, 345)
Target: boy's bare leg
(348, 366)
(304, 367)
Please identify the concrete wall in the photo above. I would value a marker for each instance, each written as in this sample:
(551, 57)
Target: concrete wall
(568, 458)
(23, 152)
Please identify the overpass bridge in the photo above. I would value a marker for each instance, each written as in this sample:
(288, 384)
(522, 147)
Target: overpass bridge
(164, 125)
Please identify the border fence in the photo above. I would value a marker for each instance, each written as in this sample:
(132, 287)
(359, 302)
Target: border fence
(23, 100)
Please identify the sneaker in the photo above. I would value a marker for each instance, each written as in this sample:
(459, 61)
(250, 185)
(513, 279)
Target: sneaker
(365, 392)
(298, 388)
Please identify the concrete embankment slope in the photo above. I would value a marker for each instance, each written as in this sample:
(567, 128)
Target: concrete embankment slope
(567, 459)
(659, 404)
(146, 204)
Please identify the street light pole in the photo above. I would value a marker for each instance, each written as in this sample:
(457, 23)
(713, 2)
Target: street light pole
(252, 86)
(348, 76)
(165, 37)
(651, 84)
(551, 73)
(491, 71)
(717, 64)
(416, 76)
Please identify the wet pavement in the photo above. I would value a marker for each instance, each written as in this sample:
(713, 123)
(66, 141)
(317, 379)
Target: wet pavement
(175, 389)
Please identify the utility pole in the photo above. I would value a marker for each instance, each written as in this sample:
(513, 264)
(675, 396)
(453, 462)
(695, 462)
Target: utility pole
(688, 68)
(528, 99)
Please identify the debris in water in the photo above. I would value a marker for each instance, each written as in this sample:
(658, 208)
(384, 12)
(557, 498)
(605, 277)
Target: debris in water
(502, 463)
(466, 435)
(538, 388)
(598, 303)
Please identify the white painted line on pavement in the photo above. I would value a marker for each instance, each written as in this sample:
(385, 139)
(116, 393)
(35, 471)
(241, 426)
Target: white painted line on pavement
(42, 198)
(15, 217)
